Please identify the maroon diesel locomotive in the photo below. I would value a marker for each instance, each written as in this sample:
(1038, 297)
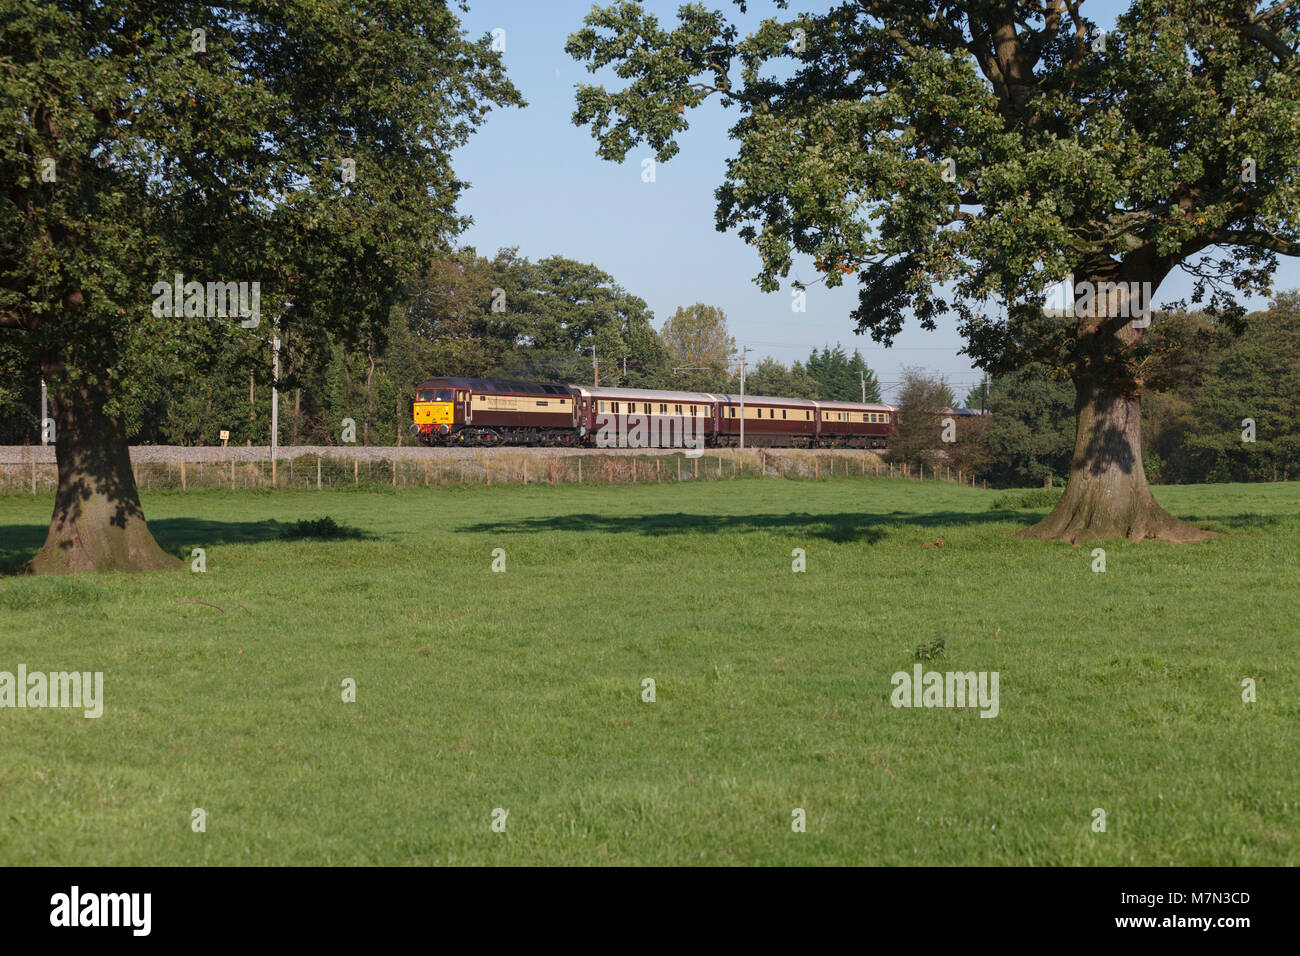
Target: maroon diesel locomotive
(475, 411)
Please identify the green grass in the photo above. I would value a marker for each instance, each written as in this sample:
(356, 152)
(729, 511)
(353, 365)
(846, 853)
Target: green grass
(478, 690)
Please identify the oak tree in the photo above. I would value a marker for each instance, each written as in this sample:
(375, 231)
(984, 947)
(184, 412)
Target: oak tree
(153, 154)
(968, 156)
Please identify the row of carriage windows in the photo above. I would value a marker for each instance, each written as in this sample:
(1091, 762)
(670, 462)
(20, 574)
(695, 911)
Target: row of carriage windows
(630, 408)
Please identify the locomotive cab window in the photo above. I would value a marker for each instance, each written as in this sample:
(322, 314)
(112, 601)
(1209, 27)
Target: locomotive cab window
(433, 395)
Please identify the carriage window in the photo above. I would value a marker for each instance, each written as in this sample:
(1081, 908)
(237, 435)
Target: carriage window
(602, 406)
(678, 409)
(663, 408)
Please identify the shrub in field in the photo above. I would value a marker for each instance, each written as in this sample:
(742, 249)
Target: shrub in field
(324, 527)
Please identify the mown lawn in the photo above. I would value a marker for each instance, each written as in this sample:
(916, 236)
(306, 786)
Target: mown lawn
(521, 690)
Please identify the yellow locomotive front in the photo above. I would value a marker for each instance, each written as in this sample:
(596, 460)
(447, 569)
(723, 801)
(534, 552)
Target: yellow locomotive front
(433, 412)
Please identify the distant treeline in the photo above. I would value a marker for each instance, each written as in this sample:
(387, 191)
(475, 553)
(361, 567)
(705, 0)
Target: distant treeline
(1208, 390)
(508, 316)
(471, 316)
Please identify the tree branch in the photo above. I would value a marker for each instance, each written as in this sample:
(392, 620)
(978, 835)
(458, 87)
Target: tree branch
(1254, 237)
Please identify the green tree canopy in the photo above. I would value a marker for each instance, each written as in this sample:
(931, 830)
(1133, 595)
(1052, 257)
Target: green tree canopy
(770, 377)
(1031, 430)
(842, 378)
(922, 401)
(700, 347)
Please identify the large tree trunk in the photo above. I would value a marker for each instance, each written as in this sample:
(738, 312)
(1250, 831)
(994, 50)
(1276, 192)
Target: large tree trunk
(1107, 496)
(98, 524)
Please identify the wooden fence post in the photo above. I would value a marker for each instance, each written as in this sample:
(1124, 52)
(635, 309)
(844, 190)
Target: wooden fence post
(318, 472)
(356, 473)
(184, 486)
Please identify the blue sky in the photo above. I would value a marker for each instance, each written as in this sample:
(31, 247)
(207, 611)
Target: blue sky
(538, 184)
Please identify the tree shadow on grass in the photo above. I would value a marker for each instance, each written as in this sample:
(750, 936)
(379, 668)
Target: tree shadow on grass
(839, 528)
(19, 543)
(1248, 520)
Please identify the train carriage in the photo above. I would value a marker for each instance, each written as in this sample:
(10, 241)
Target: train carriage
(786, 422)
(856, 424)
(665, 419)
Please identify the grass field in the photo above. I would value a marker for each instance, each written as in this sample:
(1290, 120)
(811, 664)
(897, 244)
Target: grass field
(522, 690)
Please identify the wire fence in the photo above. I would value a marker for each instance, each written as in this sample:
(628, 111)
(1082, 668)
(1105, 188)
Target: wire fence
(317, 471)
